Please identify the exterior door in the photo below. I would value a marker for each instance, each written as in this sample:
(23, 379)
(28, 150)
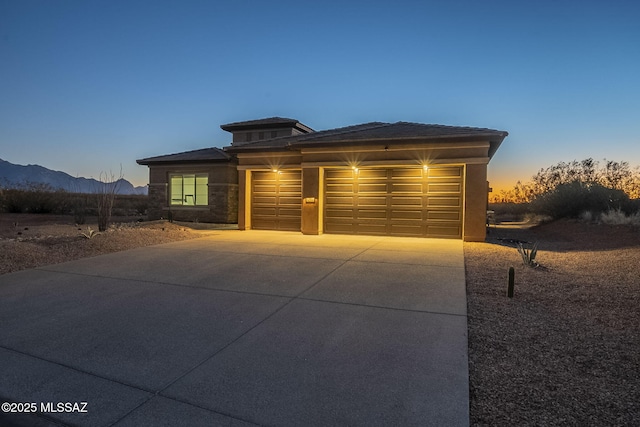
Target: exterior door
(276, 200)
(395, 201)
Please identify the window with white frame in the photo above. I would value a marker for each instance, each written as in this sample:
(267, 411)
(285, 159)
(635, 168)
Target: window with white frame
(189, 189)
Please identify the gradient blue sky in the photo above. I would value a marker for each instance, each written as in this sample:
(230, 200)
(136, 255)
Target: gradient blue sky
(87, 86)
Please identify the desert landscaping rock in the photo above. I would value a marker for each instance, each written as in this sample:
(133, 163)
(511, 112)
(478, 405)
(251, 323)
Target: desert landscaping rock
(55, 239)
(564, 350)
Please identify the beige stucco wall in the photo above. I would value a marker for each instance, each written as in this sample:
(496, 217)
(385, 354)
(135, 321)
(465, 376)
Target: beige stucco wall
(475, 203)
(311, 185)
(244, 200)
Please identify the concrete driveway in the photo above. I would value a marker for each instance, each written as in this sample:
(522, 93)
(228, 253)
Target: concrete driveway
(242, 328)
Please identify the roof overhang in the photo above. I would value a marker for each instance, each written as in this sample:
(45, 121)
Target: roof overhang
(494, 140)
(272, 123)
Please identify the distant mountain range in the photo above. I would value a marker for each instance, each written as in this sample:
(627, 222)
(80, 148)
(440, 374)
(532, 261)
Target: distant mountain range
(19, 176)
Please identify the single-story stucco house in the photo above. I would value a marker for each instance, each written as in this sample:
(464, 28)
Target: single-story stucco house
(399, 179)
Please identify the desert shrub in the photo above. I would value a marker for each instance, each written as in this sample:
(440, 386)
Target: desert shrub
(12, 201)
(587, 216)
(42, 198)
(34, 198)
(510, 211)
(572, 199)
(78, 206)
(131, 204)
(610, 174)
(618, 217)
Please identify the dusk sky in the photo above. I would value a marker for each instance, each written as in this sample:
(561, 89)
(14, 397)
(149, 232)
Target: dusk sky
(87, 86)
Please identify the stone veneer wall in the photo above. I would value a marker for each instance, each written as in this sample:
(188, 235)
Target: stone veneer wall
(223, 193)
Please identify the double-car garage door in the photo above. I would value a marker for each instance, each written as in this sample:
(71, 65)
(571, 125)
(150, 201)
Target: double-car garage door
(394, 201)
(380, 201)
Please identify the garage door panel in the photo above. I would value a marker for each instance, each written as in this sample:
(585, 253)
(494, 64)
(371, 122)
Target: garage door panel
(289, 176)
(264, 188)
(443, 202)
(336, 227)
(406, 201)
(395, 201)
(263, 224)
(406, 230)
(406, 214)
(338, 174)
(260, 211)
(369, 214)
(444, 215)
(264, 200)
(376, 229)
(371, 173)
(340, 200)
(289, 200)
(276, 200)
(339, 213)
(444, 188)
(372, 201)
(290, 213)
(406, 187)
(288, 225)
(263, 176)
(407, 173)
(289, 187)
(445, 172)
(372, 188)
(340, 188)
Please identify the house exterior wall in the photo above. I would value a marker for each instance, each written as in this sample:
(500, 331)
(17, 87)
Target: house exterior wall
(311, 200)
(253, 135)
(222, 194)
(475, 209)
(244, 200)
(472, 155)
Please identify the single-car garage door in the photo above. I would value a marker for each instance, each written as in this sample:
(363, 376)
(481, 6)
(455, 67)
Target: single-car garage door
(276, 200)
(394, 201)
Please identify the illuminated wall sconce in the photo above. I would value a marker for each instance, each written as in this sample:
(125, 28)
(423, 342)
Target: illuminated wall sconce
(425, 168)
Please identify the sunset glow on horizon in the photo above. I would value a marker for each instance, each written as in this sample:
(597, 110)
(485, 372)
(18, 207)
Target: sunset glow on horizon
(89, 86)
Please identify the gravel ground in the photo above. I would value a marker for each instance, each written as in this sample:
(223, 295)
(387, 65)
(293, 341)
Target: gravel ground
(565, 349)
(28, 241)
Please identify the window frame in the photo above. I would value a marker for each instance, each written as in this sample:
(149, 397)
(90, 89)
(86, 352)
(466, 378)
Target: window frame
(188, 189)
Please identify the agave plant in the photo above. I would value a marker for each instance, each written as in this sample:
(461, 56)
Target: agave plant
(528, 255)
(90, 234)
